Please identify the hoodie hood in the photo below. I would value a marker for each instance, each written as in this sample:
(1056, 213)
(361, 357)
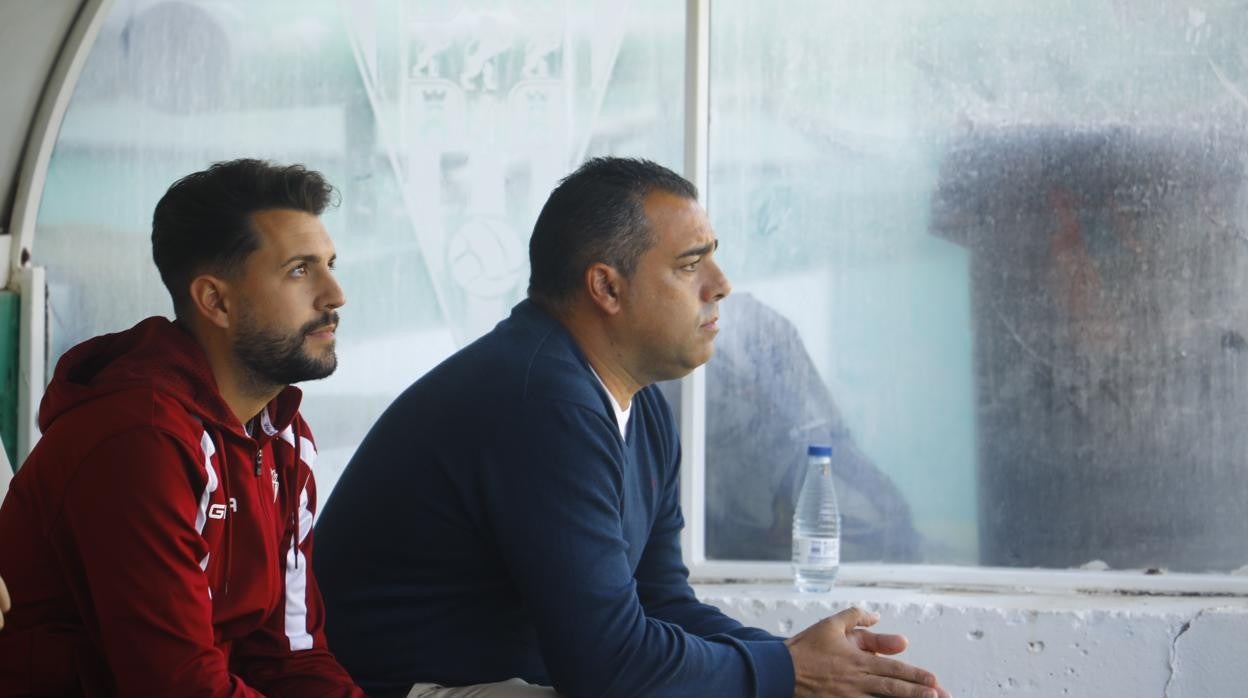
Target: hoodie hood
(155, 354)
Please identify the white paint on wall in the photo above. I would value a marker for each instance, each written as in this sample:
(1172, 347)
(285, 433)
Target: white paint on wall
(1051, 645)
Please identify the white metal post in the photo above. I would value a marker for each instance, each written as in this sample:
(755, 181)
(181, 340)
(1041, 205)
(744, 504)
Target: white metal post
(46, 127)
(693, 387)
(31, 281)
(32, 351)
(6, 471)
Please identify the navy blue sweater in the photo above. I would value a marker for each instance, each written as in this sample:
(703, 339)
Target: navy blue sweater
(493, 524)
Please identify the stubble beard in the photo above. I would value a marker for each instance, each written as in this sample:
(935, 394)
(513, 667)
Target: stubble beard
(271, 359)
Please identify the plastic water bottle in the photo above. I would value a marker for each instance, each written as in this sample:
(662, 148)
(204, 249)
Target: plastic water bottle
(816, 525)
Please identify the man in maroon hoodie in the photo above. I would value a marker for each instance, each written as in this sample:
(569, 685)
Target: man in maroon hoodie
(157, 540)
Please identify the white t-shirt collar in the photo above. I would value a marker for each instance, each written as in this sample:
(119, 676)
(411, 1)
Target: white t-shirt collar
(621, 413)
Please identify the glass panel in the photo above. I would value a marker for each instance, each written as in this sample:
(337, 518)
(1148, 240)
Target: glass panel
(444, 125)
(993, 252)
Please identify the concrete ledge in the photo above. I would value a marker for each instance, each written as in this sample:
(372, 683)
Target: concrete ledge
(1033, 644)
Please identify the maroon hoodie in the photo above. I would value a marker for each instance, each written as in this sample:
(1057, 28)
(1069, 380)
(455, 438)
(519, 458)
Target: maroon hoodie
(152, 547)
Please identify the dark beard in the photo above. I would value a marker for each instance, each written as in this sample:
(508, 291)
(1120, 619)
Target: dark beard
(275, 360)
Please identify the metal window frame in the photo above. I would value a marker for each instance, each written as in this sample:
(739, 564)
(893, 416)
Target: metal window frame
(693, 438)
(31, 281)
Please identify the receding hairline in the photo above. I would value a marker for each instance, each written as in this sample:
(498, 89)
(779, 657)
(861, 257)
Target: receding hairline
(306, 222)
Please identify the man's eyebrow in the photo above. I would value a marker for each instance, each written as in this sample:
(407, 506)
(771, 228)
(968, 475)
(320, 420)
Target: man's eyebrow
(308, 258)
(700, 251)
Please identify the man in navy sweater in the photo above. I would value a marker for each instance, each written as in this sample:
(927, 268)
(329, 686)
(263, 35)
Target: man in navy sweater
(513, 518)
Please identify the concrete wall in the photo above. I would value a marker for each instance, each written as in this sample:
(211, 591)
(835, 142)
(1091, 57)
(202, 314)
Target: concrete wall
(1051, 645)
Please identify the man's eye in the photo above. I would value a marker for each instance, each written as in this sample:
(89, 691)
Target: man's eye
(692, 266)
(301, 270)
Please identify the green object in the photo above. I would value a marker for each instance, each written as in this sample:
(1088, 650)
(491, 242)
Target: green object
(10, 314)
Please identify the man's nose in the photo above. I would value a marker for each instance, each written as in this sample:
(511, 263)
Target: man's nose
(719, 285)
(333, 295)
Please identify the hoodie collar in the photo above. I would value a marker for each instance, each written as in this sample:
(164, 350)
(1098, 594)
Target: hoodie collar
(158, 355)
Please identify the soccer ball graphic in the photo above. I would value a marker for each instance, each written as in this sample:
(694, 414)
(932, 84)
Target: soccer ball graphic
(485, 257)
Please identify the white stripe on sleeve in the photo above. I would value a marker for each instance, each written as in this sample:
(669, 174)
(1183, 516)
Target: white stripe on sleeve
(296, 562)
(297, 582)
(201, 517)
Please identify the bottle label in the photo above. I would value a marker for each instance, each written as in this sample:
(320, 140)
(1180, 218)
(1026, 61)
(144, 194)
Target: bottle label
(816, 552)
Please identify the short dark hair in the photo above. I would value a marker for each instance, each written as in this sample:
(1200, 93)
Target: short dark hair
(203, 223)
(596, 214)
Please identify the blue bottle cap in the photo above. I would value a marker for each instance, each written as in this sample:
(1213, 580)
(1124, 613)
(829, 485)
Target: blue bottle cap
(819, 450)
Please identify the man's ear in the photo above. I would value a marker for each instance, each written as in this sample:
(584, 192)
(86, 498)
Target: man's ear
(210, 299)
(605, 285)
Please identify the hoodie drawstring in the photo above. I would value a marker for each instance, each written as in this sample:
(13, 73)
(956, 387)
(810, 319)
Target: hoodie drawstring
(292, 497)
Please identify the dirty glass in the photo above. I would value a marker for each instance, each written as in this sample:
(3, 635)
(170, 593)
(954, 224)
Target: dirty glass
(443, 125)
(994, 254)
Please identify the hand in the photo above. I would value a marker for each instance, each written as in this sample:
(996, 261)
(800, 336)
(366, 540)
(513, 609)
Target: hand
(838, 658)
(4, 602)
